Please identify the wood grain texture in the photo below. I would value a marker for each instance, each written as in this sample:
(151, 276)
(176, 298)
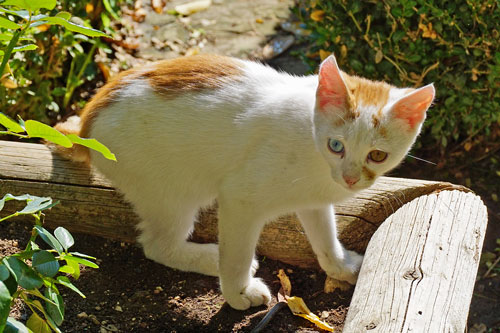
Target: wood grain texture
(420, 267)
(89, 204)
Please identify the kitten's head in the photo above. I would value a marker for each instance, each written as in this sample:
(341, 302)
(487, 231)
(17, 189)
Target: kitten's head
(365, 128)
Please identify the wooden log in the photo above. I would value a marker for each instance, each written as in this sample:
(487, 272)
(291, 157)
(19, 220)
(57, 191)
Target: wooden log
(89, 204)
(420, 267)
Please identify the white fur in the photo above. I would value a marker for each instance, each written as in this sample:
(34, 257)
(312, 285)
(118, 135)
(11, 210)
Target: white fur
(252, 146)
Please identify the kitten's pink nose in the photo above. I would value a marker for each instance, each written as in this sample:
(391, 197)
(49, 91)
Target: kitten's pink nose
(350, 180)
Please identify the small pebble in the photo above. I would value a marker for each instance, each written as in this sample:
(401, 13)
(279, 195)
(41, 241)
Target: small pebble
(118, 308)
(82, 315)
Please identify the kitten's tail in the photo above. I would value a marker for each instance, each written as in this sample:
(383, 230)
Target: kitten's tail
(77, 153)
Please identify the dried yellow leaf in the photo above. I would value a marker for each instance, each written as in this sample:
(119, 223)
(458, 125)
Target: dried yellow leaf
(259, 20)
(343, 51)
(317, 15)
(8, 83)
(332, 284)
(285, 282)
(89, 8)
(324, 54)
(299, 308)
(378, 56)
(467, 146)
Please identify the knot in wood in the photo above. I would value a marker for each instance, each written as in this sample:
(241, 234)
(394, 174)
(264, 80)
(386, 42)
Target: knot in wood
(412, 274)
(370, 326)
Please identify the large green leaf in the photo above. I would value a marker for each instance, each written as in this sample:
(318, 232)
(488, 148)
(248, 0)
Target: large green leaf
(13, 326)
(24, 275)
(37, 324)
(10, 124)
(45, 263)
(64, 237)
(4, 273)
(74, 27)
(30, 4)
(36, 204)
(5, 300)
(94, 145)
(55, 309)
(36, 129)
(81, 261)
(6, 23)
(49, 239)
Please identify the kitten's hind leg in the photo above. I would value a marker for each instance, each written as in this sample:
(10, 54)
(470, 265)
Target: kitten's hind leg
(336, 261)
(164, 239)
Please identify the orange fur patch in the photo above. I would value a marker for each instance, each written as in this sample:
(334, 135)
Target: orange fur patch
(369, 174)
(192, 73)
(368, 93)
(167, 77)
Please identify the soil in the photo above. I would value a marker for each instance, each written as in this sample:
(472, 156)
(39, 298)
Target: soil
(130, 293)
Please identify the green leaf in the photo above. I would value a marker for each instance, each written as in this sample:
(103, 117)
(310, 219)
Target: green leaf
(64, 237)
(75, 27)
(82, 261)
(64, 15)
(78, 254)
(13, 326)
(75, 267)
(10, 124)
(65, 282)
(37, 324)
(67, 269)
(31, 4)
(55, 309)
(27, 47)
(4, 273)
(23, 274)
(36, 204)
(37, 129)
(49, 239)
(110, 10)
(6, 23)
(94, 145)
(45, 263)
(5, 300)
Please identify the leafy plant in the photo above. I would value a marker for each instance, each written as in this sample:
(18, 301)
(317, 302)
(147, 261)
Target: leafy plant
(25, 275)
(34, 274)
(412, 42)
(45, 81)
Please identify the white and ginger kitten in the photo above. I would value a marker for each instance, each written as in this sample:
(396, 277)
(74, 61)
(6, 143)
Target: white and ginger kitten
(263, 143)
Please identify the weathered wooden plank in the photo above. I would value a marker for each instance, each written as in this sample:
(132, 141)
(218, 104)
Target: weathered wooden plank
(90, 204)
(420, 266)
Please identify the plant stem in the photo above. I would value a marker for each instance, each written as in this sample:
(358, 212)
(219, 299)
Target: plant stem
(8, 51)
(70, 87)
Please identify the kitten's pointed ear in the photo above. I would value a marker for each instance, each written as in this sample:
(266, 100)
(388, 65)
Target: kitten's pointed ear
(412, 107)
(332, 90)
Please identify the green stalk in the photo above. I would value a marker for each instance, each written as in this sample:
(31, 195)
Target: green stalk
(8, 51)
(70, 86)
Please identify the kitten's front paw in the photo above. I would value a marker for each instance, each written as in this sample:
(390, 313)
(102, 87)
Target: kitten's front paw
(255, 294)
(346, 269)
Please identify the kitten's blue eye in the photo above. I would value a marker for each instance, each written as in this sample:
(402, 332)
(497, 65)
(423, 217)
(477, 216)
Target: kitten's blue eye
(336, 146)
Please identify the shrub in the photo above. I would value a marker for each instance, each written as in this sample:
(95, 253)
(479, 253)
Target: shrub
(45, 81)
(411, 42)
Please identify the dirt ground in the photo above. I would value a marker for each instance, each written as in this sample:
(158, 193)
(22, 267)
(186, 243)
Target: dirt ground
(129, 293)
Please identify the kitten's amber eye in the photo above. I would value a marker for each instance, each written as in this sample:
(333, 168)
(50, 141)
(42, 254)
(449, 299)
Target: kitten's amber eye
(377, 156)
(336, 146)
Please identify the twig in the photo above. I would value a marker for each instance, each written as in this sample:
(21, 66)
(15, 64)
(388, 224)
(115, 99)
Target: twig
(491, 267)
(263, 323)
